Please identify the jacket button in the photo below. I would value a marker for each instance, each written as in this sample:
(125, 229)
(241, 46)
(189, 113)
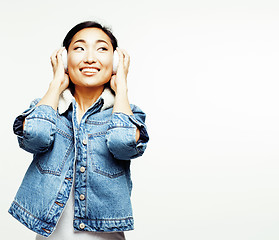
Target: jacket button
(81, 197)
(84, 142)
(82, 226)
(82, 169)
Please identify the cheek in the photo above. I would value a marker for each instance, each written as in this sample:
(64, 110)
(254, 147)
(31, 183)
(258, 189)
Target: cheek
(71, 72)
(106, 61)
(73, 61)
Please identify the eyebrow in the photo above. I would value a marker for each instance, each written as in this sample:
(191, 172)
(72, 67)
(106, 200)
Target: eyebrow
(83, 41)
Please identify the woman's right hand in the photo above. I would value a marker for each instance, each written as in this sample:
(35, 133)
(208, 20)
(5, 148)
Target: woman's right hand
(60, 77)
(59, 83)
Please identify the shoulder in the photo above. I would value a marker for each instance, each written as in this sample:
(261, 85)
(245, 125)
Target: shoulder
(136, 109)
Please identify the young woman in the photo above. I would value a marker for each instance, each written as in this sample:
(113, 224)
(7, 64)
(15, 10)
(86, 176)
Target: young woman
(83, 134)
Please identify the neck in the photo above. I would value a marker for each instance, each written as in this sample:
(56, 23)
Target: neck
(85, 97)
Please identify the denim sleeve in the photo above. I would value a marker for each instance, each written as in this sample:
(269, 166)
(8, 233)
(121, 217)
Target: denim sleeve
(39, 128)
(121, 135)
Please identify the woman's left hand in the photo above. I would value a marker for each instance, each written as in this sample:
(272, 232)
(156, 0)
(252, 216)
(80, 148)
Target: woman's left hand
(118, 84)
(119, 80)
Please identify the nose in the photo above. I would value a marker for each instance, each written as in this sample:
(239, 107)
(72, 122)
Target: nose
(90, 57)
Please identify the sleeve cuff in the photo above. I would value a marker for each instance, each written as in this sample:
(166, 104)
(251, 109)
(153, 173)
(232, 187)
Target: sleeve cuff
(121, 137)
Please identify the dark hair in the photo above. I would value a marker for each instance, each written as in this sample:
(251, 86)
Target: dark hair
(89, 24)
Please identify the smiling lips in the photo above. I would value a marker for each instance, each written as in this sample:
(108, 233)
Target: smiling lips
(89, 71)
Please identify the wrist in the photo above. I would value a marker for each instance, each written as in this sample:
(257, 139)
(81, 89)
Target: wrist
(56, 86)
(121, 89)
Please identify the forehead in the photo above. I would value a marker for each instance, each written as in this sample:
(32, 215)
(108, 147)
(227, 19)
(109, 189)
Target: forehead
(91, 35)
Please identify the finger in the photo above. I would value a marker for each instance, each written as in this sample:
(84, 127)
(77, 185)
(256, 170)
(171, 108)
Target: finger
(120, 54)
(126, 57)
(59, 55)
(59, 52)
(53, 58)
(125, 53)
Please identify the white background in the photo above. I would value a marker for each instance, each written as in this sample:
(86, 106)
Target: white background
(206, 74)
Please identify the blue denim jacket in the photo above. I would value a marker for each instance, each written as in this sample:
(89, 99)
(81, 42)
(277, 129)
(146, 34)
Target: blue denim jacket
(95, 153)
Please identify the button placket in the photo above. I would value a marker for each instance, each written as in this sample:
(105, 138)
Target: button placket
(81, 144)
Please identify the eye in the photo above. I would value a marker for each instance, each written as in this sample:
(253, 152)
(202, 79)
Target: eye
(78, 48)
(102, 49)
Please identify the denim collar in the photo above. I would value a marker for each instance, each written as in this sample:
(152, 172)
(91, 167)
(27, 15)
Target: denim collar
(66, 98)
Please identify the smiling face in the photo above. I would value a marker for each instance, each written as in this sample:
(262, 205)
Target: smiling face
(90, 58)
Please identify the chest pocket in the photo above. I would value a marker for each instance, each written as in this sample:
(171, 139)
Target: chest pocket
(58, 156)
(101, 160)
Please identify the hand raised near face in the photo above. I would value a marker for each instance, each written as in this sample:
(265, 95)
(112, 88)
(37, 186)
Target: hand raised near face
(119, 80)
(60, 77)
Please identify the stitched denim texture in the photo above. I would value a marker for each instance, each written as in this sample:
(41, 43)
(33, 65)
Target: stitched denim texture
(99, 148)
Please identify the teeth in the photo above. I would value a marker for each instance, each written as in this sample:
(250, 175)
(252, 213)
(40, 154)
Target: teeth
(89, 70)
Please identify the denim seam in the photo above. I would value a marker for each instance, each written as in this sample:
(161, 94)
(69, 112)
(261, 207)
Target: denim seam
(59, 192)
(97, 134)
(114, 175)
(26, 211)
(69, 127)
(58, 172)
(105, 219)
(130, 117)
(95, 167)
(92, 122)
(112, 127)
(42, 118)
(64, 134)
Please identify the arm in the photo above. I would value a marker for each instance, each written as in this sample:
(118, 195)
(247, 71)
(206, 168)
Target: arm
(119, 85)
(36, 127)
(127, 135)
(120, 137)
(59, 83)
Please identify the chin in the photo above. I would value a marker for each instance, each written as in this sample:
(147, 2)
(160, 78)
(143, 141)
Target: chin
(92, 84)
